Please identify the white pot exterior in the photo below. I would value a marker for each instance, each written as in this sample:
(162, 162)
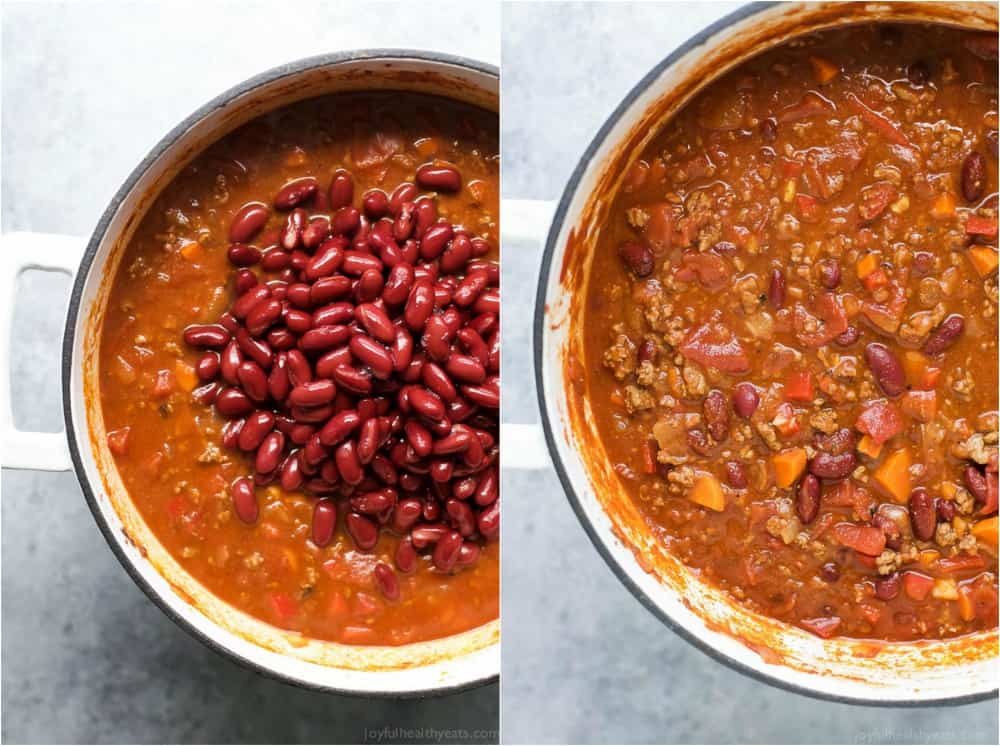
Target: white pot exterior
(949, 671)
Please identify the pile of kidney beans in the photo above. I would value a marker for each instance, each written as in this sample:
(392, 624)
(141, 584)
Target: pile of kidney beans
(365, 370)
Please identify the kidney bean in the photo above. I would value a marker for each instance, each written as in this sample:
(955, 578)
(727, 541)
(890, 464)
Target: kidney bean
(402, 226)
(368, 441)
(248, 222)
(263, 316)
(372, 354)
(346, 220)
(487, 302)
(976, 483)
(341, 189)
(439, 177)
(370, 286)
(315, 231)
(295, 192)
(373, 503)
(324, 338)
(324, 522)
(888, 587)
(745, 399)
(357, 263)
(471, 288)
(973, 177)
(341, 312)
(275, 260)
(232, 402)
(923, 514)
(253, 381)
(292, 477)
(446, 550)
(776, 289)
(406, 556)
(206, 335)
(829, 273)
(848, 337)
(255, 428)
(829, 572)
(426, 403)
(405, 192)
(376, 203)
(486, 395)
(376, 322)
(352, 379)
(269, 452)
(461, 516)
(637, 258)
(362, 530)
(457, 254)
(807, 499)
(301, 433)
(736, 475)
(244, 500)
(243, 255)
(468, 555)
(435, 239)
(312, 393)
(206, 394)
(339, 427)
(245, 279)
(327, 260)
(246, 302)
(207, 367)
(829, 466)
(465, 369)
(407, 512)
(946, 510)
(838, 442)
(889, 527)
(945, 335)
(886, 368)
(387, 582)
(328, 289)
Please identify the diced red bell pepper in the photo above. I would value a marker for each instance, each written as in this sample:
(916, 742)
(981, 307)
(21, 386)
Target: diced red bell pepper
(825, 627)
(864, 539)
(118, 440)
(799, 386)
(808, 207)
(284, 606)
(870, 612)
(978, 225)
(961, 562)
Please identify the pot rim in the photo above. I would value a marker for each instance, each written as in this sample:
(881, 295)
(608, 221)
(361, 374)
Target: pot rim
(549, 427)
(286, 70)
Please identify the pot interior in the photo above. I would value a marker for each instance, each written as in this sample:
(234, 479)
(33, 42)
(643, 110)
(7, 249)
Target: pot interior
(455, 661)
(838, 668)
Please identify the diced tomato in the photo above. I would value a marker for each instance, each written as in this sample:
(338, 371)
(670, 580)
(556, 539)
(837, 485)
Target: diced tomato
(799, 386)
(710, 269)
(284, 606)
(164, 385)
(961, 562)
(864, 539)
(761, 510)
(977, 225)
(825, 627)
(917, 585)
(881, 124)
(118, 440)
(714, 345)
(880, 420)
(808, 207)
(821, 526)
(849, 494)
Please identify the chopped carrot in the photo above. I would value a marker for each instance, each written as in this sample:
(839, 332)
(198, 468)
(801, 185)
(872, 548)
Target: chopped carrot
(977, 225)
(824, 70)
(914, 366)
(944, 206)
(187, 379)
(928, 557)
(707, 492)
(788, 466)
(893, 474)
(192, 251)
(917, 585)
(986, 531)
(984, 259)
(867, 264)
(869, 447)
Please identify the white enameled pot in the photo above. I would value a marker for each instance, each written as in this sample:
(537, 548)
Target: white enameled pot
(447, 664)
(951, 671)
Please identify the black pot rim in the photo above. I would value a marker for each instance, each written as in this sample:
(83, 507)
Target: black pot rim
(69, 338)
(582, 167)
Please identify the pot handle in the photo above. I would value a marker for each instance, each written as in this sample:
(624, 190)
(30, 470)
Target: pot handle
(524, 221)
(19, 252)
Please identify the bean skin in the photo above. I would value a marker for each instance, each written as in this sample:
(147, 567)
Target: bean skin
(388, 584)
(324, 522)
(248, 222)
(341, 189)
(886, 369)
(945, 335)
(745, 399)
(923, 514)
(828, 466)
(244, 500)
(295, 192)
(807, 499)
(440, 178)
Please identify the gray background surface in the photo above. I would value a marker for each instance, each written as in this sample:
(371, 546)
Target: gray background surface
(88, 89)
(583, 660)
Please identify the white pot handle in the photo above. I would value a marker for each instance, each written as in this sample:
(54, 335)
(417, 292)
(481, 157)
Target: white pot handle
(524, 221)
(19, 252)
